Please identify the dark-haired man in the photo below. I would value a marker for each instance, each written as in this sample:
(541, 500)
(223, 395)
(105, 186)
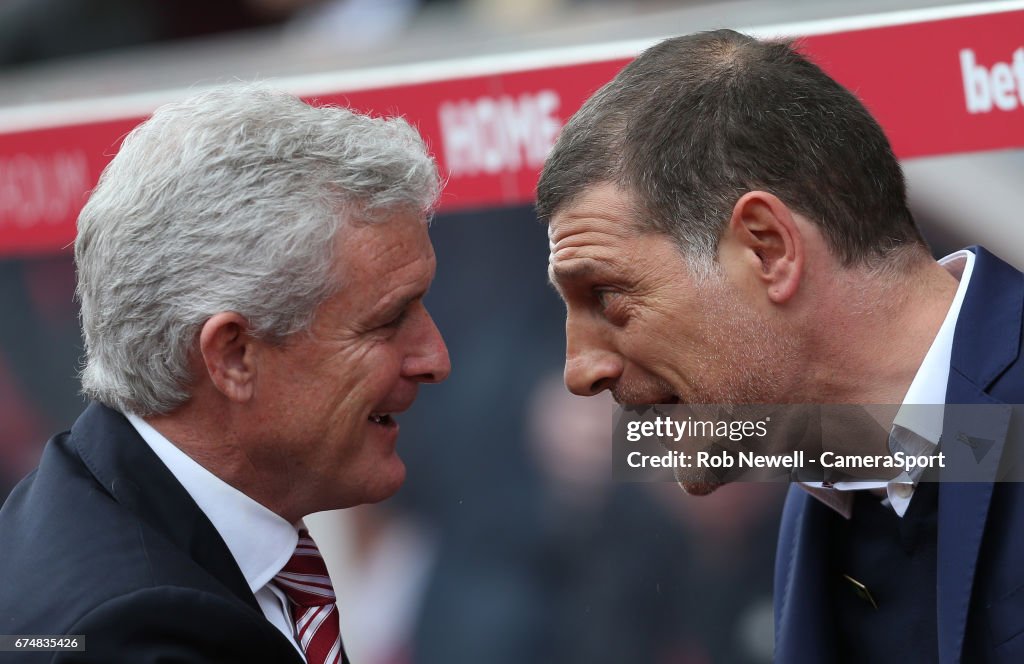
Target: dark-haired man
(729, 225)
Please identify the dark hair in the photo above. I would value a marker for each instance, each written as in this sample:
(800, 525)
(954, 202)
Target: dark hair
(697, 121)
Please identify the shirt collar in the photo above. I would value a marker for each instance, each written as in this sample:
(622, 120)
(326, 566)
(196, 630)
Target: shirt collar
(260, 540)
(927, 387)
(931, 379)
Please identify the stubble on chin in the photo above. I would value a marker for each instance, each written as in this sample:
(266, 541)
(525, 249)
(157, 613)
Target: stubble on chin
(696, 482)
(699, 488)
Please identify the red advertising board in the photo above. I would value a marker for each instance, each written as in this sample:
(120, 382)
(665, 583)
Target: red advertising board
(938, 86)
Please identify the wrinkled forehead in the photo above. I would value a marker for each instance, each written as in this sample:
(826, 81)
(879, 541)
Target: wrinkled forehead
(592, 243)
(384, 242)
(604, 208)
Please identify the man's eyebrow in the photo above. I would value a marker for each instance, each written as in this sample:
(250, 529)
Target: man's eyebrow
(580, 268)
(551, 280)
(398, 304)
(577, 269)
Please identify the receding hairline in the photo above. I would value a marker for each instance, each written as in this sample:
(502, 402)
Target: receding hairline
(604, 139)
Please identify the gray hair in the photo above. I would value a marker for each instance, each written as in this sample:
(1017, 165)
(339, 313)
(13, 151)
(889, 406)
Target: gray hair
(697, 121)
(228, 201)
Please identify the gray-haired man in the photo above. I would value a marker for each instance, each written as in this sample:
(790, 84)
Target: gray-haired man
(251, 272)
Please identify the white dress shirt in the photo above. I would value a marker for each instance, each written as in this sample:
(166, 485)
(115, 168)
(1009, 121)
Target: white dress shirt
(260, 541)
(928, 387)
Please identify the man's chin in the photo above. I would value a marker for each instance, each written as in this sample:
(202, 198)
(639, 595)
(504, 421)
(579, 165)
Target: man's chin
(699, 488)
(386, 479)
(696, 482)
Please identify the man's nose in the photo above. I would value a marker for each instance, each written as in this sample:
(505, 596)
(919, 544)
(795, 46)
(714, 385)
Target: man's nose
(591, 366)
(430, 362)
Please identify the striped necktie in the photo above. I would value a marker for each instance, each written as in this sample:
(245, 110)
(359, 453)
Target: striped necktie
(305, 582)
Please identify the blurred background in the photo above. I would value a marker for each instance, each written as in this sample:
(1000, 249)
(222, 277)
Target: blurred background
(509, 542)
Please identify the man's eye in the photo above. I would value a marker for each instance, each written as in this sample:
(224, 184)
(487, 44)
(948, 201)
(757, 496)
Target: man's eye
(605, 297)
(397, 320)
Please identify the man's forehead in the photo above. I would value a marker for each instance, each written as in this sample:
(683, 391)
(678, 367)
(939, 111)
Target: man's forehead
(395, 233)
(397, 248)
(605, 206)
(588, 256)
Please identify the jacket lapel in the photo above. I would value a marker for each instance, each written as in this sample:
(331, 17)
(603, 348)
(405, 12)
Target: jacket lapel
(986, 342)
(127, 468)
(963, 509)
(802, 634)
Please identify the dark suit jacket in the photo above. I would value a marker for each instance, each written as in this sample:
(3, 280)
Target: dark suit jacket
(980, 566)
(102, 541)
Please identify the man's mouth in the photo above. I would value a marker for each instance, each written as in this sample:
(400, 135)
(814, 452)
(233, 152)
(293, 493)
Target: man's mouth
(382, 419)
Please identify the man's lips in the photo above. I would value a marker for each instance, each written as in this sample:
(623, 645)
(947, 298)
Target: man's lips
(382, 419)
(385, 416)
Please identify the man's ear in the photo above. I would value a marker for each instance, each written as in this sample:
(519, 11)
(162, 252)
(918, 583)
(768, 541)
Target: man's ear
(764, 240)
(228, 352)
